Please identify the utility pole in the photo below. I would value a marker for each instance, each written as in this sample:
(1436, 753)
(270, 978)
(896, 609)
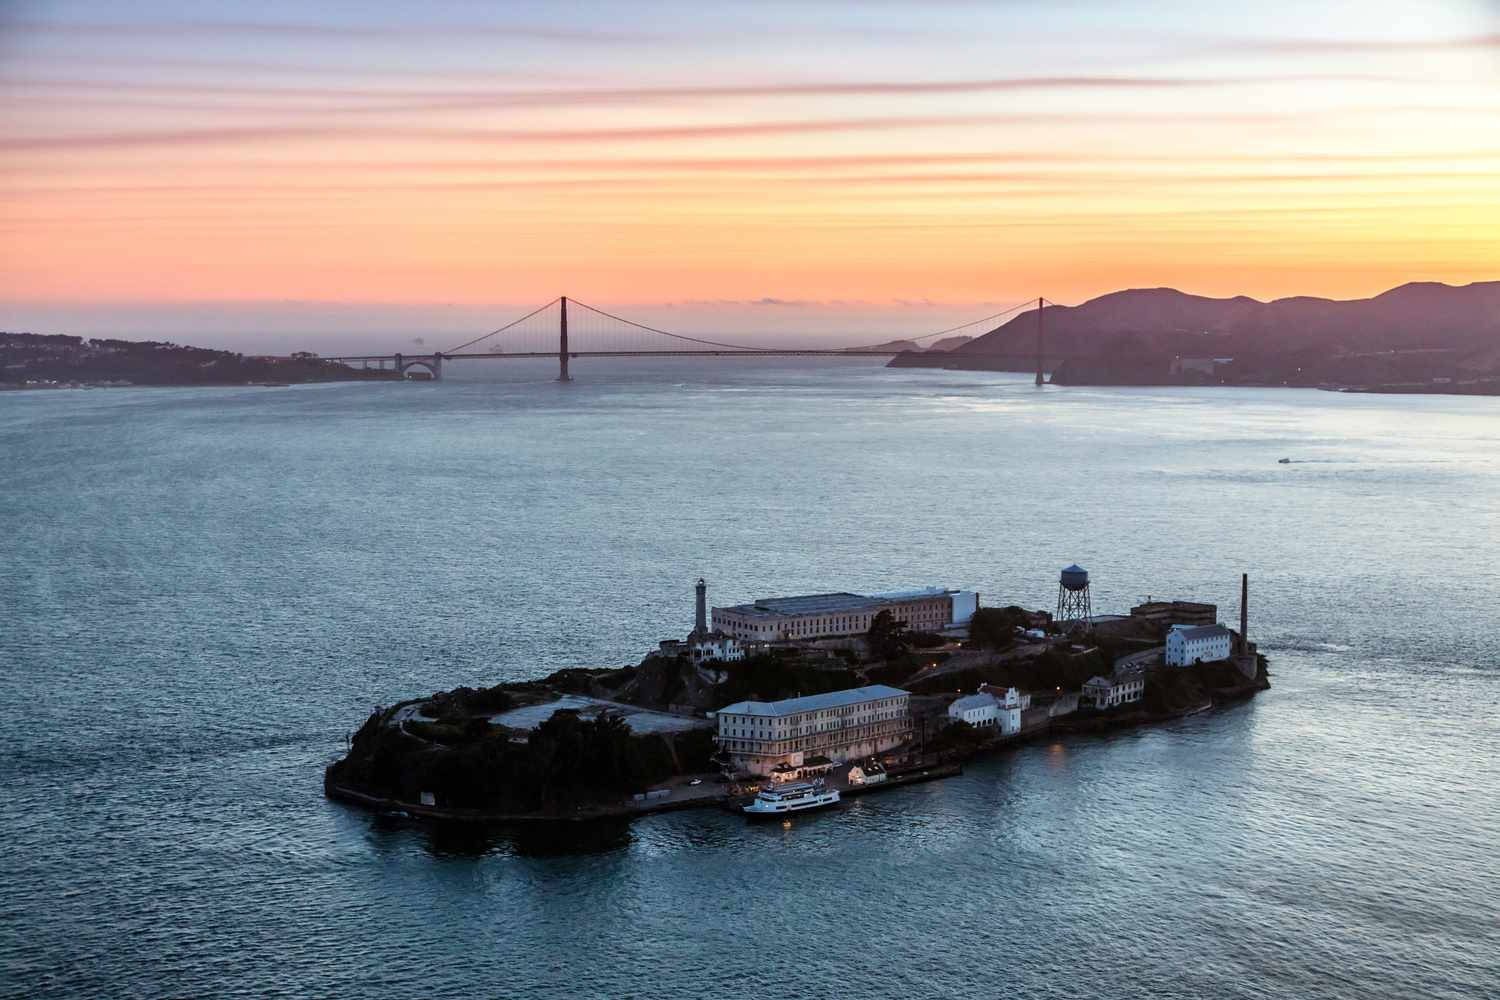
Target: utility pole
(1039, 379)
(562, 344)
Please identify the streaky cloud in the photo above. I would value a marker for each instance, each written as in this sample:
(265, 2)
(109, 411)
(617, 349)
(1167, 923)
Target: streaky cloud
(298, 30)
(1337, 45)
(408, 99)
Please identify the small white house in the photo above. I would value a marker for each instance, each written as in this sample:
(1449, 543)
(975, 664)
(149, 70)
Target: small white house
(1108, 692)
(978, 710)
(990, 709)
(1012, 703)
(716, 646)
(1188, 644)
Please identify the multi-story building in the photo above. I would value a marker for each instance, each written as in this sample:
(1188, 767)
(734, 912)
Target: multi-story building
(760, 736)
(815, 616)
(1188, 644)
(1176, 613)
(1107, 692)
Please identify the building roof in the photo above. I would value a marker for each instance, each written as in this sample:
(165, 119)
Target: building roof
(836, 603)
(915, 594)
(1201, 631)
(1094, 682)
(968, 701)
(1174, 606)
(808, 604)
(813, 702)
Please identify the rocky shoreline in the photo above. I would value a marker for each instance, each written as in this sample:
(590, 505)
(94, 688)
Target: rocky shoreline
(676, 789)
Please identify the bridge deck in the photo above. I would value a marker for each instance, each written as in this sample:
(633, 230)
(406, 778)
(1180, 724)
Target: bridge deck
(791, 353)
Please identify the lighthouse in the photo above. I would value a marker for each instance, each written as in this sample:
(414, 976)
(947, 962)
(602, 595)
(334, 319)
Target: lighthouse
(700, 620)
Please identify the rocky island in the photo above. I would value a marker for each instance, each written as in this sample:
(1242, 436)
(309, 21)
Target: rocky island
(592, 743)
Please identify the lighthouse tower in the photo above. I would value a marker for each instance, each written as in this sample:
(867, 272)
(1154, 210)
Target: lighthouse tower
(700, 621)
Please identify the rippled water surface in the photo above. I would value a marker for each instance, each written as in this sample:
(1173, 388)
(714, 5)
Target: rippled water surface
(203, 591)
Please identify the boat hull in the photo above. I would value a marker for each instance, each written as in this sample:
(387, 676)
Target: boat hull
(762, 810)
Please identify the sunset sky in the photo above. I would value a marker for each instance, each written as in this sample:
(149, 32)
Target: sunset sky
(271, 172)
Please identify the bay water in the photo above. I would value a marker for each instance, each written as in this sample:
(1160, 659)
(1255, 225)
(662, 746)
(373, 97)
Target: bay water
(204, 591)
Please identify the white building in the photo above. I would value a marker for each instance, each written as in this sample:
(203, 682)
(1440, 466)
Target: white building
(816, 616)
(1108, 692)
(991, 708)
(759, 736)
(978, 710)
(710, 648)
(715, 646)
(1188, 644)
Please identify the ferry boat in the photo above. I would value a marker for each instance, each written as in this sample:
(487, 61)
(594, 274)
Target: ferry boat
(795, 796)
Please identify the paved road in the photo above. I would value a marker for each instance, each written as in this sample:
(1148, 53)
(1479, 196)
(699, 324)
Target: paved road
(1140, 661)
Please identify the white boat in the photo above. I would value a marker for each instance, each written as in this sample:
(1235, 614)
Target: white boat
(795, 796)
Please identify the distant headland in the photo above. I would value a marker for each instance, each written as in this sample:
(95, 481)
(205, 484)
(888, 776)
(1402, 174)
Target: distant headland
(1420, 337)
(56, 361)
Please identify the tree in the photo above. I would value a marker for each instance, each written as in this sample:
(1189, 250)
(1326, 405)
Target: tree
(995, 628)
(888, 637)
(958, 735)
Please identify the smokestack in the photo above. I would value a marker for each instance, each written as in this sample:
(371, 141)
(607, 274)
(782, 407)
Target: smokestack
(700, 626)
(1244, 613)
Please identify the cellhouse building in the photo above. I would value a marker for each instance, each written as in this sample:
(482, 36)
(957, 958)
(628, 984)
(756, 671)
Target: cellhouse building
(760, 736)
(814, 616)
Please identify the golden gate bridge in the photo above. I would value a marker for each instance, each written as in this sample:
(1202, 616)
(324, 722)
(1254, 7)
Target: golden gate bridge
(567, 329)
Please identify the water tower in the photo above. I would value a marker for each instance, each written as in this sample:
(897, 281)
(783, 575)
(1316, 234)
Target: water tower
(1073, 600)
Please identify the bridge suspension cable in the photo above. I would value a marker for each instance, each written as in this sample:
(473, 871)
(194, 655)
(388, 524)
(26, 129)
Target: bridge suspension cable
(513, 323)
(962, 326)
(537, 339)
(674, 336)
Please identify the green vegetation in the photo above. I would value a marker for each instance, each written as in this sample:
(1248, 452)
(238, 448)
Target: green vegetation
(888, 637)
(957, 736)
(898, 672)
(1053, 668)
(781, 674)
(567, 761)
(1173, 689)
(995, 628)
(463, 702)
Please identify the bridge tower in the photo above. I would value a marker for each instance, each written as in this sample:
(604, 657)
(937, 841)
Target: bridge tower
(562, 344)
(1039, 379)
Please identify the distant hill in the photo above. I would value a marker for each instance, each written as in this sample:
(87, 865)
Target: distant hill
(32, 359)
(1144, 329)
(889, 345)
(1421, 314)
(950, 343)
